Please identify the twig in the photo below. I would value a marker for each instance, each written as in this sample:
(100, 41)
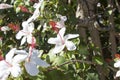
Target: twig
(79, 61)
(70, 62)
(113, 69)
(118, 6)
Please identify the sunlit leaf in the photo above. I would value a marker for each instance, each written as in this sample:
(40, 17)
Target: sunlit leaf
(59, 60)
(98, 60)
(110, 12)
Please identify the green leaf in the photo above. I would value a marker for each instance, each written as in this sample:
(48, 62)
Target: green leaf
(98, 60)
(56, 75)
(92, 76)
(83, 50)
(59, 60)
(51, 57)
(17, 9)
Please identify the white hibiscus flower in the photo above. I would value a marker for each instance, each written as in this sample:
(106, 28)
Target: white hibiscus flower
(33, 61)
(61, 41)
(36, 12)
(11, 65)
(26, 32)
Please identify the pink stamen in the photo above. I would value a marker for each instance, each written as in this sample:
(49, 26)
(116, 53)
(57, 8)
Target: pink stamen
(10, 65)
(63, 42)
(31, 49)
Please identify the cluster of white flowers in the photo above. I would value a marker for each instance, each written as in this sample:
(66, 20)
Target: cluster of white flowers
(31, 59)
(11, 63)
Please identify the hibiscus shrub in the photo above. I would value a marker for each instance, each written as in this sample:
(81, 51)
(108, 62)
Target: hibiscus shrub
(39, 41)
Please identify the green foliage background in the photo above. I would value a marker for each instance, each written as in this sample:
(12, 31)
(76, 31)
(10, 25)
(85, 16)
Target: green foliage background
(68, 65)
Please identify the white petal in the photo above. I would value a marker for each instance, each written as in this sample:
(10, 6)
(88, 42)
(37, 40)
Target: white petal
(61, 33)
(19, 35)
(31, 27)
(15, 71)
(53, 41)
(31, 68)
(35, 52)
(36, 13)
(34, 16)
(2, 63)
(60, 24)
(118, 73)
(2, 73)
(70, 36)
(3, 68)
(23, 40)
(40, 62)
(28, 27)
(63, 18)
(22, 52)
(70, 45)
(25, 25)
(5, 28)
(19, 58)
(58, 48)
(10, 55)
(5, 6)
(30, 19)
(5, 76)
(36, 5)
(31, 40)
(35, 59)
(117, 64)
